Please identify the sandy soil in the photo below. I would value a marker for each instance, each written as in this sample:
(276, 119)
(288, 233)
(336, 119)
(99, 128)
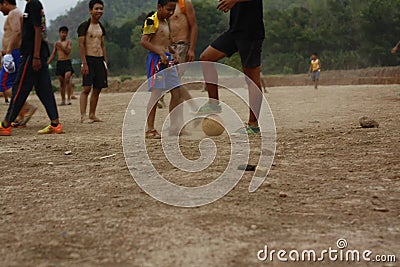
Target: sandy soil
(330, 180)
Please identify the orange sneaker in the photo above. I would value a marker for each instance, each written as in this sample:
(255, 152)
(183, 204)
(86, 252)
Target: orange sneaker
(51, 130)
(5, 131)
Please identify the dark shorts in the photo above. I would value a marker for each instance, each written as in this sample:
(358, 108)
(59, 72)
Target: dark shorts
(249, 50)
(97, 77)
(64, 66)
(315, 75)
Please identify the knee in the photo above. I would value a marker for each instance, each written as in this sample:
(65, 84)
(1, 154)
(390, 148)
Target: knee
(204, 57)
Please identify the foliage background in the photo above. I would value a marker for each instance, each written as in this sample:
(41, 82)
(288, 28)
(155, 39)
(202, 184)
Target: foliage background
(347, 34)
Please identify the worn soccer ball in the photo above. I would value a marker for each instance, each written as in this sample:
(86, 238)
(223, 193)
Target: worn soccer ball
(213, 125)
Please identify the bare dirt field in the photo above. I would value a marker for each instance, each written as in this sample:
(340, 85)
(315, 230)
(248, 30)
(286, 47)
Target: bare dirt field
(330, 180)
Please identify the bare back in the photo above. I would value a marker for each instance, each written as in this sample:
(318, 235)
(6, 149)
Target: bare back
(12, 31)
(180, 28)
(94, 39)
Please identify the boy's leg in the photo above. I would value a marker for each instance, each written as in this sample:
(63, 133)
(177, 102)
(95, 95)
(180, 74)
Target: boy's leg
(255, 94)
(177, 118)
(211, 54)
(62, 89)
(44, 91)
(20, 91)
(83, 101)
(94, 99)
(67, 81)
(152, 108)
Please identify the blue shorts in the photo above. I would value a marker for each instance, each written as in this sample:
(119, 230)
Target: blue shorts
(315, 75)
(159, 75)
(7, 79)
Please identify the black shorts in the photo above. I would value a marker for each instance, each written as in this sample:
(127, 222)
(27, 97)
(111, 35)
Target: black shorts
(63, 66)
(249, 50)
(97, 76)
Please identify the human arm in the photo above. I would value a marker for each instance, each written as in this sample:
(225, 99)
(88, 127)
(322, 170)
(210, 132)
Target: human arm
(53, 54)
(145, 42)
(82, 52)
(194, 30)
(226, 5)
(36, 62)
(66, 49)
(396, 48)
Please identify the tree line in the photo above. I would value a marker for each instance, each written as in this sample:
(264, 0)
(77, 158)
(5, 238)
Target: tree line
(347, 34)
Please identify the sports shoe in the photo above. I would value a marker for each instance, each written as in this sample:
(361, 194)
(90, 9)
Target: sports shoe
(5, 131)
(248, 130)
(51, 130)
(27, 115)
(209, 109)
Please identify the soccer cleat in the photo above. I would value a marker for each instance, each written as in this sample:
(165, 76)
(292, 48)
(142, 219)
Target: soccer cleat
(248, 130)
(5, 131)
(27, 115)
(209, 109)
(51, 130)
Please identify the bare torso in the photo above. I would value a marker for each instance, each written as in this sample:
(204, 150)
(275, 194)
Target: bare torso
(161, 39)
(63, 45)
(12, 29)
(93, 41)
(180, 29)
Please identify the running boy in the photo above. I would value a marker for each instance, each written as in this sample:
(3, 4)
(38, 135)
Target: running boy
(315, 69)
(93, 55)
(156, 38)
(33, 70)
(64, 65)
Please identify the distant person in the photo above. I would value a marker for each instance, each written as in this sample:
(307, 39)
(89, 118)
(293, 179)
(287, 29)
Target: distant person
(94, 60)
(33, 71)
(11, 57)
(245, 35)
(156, 39)
(315, 69)
(64, 66)
(184, 33)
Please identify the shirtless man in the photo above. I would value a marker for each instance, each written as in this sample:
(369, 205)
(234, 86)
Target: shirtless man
(184, 33)
(93, 55)
(64, 65)
(11, 56)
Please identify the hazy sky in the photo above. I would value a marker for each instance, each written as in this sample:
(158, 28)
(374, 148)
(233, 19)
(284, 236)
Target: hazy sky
(52, 8)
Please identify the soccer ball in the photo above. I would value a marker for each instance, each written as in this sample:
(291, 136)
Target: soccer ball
(213, 125)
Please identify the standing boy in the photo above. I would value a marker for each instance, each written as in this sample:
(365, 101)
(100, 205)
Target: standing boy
(64, 66)
(93, 55)
(245, 35)
(12, 56)
(156, 39)
(315, 69)
(33, 70)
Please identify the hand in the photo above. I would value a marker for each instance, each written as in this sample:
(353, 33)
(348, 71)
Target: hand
(36, 64)
(164, 59)
(190, 55)
(177, 59)
(394, 50)
(85, 69)
(226, 5)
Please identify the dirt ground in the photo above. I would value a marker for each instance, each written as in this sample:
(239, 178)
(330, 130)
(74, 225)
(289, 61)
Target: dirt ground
(330, 180)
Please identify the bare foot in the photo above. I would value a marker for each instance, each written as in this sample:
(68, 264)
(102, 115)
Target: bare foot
(94, 119)
(83, 118)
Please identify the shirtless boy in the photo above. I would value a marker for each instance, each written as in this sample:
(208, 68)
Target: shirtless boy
(184, 32)
(93, 55)
(11, 56)
(64, 65)
(156, 39)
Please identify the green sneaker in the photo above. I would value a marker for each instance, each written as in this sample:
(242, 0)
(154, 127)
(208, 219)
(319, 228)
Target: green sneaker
(248, 130)
(209, 109)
